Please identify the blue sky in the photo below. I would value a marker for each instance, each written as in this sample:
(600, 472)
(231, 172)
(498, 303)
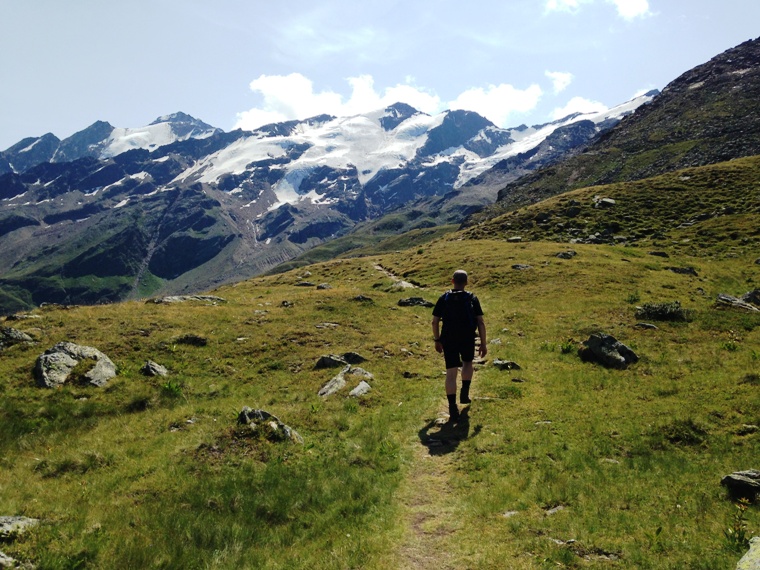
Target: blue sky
(239, 63)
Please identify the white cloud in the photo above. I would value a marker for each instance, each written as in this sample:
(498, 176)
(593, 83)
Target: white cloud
(626, 9)
(498, 102)
(630, 9)
(578, 105)
(288, 97)
(560, 80)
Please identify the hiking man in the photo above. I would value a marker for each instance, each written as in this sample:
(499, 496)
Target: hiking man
(461, 314)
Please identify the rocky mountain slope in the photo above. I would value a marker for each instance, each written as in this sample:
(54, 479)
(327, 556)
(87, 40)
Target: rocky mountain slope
(179, 206)
(705, 116)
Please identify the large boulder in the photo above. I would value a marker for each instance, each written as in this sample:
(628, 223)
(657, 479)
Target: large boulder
(607, 351)
(54, 367)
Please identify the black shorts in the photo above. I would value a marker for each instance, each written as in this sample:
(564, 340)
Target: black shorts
(458, 350)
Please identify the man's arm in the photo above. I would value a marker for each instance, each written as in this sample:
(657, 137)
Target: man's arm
(483, 350)
(437, 333)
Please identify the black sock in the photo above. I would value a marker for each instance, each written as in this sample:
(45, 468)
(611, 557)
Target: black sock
(464, 397)
(453, 410)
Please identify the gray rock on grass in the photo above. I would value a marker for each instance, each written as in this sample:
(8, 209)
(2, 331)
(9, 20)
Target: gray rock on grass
(56, 364)
(751, 560)
(742, 484)
(270, 425)
(607, 351)
(151, 368)
(339, 381)
(10, 337)
(13, 527)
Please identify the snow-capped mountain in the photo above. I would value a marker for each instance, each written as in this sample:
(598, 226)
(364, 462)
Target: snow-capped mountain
(101, 140)
(178, 205)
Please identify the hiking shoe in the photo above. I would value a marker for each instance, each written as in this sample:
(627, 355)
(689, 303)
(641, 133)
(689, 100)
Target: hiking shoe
(464, 398)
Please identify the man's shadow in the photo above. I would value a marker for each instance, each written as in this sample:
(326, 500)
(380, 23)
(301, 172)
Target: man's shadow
(442, 438)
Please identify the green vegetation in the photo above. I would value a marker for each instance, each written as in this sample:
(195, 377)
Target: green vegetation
(561, 464)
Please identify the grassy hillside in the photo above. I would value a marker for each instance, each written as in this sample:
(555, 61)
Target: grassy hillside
(560, 464)
(705, 211)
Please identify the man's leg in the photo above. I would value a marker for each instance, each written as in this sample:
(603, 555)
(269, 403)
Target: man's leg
(467, 372)
(451, 392)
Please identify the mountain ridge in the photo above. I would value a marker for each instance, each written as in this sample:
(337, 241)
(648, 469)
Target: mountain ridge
(246, 201)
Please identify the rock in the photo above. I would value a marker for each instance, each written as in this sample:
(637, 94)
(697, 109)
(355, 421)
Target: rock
(306, 274)
(415, 302)
(748, 429)
(728, 302)
(356, 371)
(751, 560)
(659, 254)
(336, 383)
(514, 239)
(521, 267)
(363, 299)
(569, 254)
(757, 261)
(742, 484)
(274, 429)
(646, 326)
(185, 298)
(10, 336)
(330, 361)
(305, 284)
(600, 202)
(353, 358)
(362, 389)
(323, 286)
(13, 527)
(684, 271)
(151, 368)
(402, 285)
(752, 297)
(608, 351)
(22, 317)
(327, 325)
(506, 365)
(287, 304)
(54, 366)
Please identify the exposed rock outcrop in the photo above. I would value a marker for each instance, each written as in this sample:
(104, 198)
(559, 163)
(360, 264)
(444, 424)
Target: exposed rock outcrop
(54, 367)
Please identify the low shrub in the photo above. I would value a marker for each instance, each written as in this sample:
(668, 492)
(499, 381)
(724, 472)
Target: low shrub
(665, 312)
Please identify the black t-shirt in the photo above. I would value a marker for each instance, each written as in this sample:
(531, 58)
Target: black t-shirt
(459, 311)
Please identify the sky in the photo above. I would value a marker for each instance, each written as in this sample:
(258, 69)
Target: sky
(244, 63)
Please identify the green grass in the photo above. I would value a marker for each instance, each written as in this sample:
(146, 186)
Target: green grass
(596, 468)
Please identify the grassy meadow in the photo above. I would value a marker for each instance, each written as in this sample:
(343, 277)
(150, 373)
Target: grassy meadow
(561, 464)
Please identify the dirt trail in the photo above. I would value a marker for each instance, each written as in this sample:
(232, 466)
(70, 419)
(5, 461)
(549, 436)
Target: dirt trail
(429, 499)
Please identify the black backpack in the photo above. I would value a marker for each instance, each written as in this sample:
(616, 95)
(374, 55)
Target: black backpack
(459, 314)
